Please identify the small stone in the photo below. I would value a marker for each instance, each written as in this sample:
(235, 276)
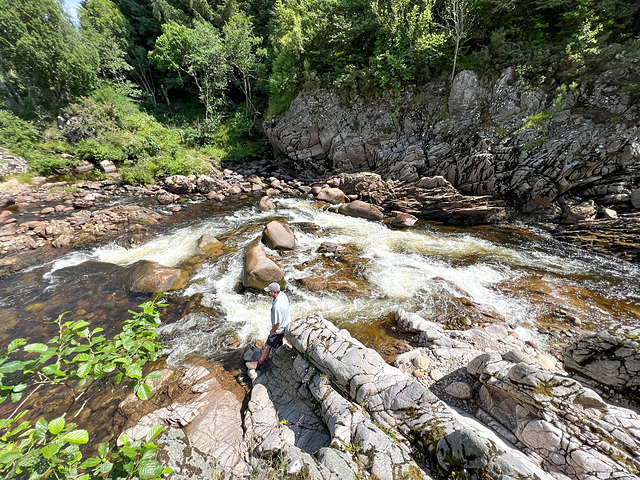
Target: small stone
(459, 390)
(546, 362)
(422, 362)
(418, 374)
(436, 375)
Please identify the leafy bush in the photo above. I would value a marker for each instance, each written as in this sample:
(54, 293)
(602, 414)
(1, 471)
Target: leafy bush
(93, 151)
(141, 173)
(46, 164)
(81, 355)
(182, 162)
(16, 134)
(236, 139)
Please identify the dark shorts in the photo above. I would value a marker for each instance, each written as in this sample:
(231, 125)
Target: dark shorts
(274, 341)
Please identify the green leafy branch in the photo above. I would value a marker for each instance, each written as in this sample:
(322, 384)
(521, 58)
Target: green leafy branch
(81, 355)
(78, 356)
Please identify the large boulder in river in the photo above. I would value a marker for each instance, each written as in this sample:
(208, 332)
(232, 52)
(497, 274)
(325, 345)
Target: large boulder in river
(259, 270)
(180, 184)
(611, 357)
(361, 209)
(278, 236)
(334, 196)
(150, 277)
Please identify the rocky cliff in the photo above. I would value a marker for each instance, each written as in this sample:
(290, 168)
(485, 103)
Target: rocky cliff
(543, 151)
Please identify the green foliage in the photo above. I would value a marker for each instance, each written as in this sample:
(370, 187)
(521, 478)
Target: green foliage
(234, 139)
(16, 134)
(198, 52)
(105, 28)
(77, 355)
(92, 151)
(140, 173)
(537, 119)
(44, 62)
(46, 164)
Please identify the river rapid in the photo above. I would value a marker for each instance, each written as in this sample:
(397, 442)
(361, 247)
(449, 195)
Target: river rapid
(547, 291)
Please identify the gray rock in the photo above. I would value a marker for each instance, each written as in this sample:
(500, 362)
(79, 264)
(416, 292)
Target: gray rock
(466, 95)
(609, 357)
(338, 463)
(11, 164)
(179, 184)
(459, 390)
(187, 462)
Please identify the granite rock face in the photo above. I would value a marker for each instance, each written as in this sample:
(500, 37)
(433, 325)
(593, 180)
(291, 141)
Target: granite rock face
(556, 419)
(498, 139)
(611, 358)
(400, 403)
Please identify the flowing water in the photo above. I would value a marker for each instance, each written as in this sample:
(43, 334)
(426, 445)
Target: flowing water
(458, 276)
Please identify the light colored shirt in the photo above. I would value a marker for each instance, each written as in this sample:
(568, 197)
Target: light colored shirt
(280, 312)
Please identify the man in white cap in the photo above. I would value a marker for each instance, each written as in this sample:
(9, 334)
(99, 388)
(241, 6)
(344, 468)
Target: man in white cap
(280, 318)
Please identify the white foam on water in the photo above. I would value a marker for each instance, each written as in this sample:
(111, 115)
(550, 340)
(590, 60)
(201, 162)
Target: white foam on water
(419, 269)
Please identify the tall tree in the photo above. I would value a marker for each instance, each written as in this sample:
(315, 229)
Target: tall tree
(243, 55)
(42, 58)
(458, 18)
(104, 26)
(198, 52)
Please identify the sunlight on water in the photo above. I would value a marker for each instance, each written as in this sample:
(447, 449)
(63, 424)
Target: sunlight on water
(419, 269)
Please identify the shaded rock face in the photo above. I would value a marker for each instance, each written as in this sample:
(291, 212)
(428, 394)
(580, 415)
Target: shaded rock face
(611, 358)
(259, 270)
(491, 139)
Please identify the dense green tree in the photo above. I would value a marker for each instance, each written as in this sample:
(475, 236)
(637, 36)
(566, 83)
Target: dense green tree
(200, 54)
(243, 55)
(42, 59)
(103, 25)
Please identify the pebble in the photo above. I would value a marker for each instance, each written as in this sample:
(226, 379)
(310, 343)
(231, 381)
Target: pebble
(436, 375)
(546, 362)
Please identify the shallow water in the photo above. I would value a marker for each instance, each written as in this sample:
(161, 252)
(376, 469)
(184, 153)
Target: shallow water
(443, 273)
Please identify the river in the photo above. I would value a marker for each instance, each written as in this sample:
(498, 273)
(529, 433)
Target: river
(457, 276)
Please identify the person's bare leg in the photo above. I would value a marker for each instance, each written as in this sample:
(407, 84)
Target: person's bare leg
(265, 353)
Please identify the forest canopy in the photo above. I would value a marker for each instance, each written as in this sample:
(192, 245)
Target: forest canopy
(213, 67)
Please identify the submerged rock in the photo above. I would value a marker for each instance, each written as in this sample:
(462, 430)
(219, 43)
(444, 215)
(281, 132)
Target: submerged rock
(150, 277)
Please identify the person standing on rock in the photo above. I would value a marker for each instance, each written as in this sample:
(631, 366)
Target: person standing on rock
(280, 318)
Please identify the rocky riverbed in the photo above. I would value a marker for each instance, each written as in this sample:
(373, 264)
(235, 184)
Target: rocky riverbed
(51, 218)
(469, 402)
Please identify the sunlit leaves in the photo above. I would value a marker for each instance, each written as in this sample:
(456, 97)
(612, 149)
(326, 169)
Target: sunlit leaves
(51, 449)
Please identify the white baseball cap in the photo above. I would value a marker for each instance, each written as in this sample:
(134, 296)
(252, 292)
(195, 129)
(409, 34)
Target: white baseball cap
(272, 287)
